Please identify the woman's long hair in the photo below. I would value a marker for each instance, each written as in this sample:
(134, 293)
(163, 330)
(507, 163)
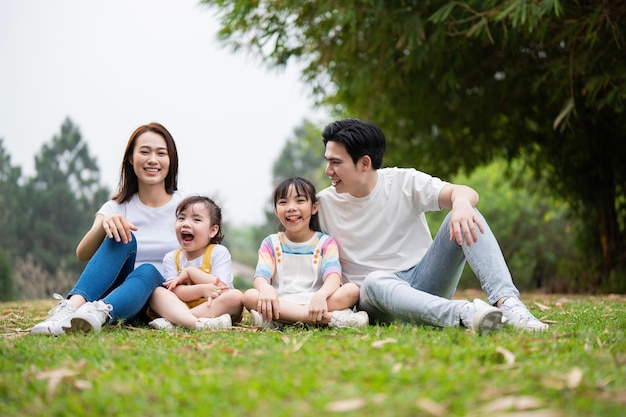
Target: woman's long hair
(129, 185)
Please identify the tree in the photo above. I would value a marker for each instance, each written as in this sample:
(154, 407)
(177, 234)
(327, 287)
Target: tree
(62, 198)
(455, 84)
(9, 209)
(538, 249)
(9, 199)
(302, 156)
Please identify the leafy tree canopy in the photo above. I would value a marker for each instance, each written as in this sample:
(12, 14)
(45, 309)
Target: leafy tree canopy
(302, 156)
(455, 84)
(60, 201)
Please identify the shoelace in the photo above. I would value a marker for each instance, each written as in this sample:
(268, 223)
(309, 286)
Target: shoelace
(519, 310)
(62, 310)
(103, 307)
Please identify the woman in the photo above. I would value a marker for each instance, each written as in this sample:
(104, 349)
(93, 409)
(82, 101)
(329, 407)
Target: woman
(127, 241)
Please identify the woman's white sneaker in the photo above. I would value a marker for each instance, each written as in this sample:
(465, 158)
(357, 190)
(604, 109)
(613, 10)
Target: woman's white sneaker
(59, 317)
(91, 316)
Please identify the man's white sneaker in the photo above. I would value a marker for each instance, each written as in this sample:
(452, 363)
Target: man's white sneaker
(59, 317)
(518, 315)
(214, 323)
(342, 319)
(90, 317)
(257, 320)
(161, 324)
(481, 317)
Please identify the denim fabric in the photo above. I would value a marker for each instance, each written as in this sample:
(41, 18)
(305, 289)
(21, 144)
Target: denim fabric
(110, 276)
(422, 293)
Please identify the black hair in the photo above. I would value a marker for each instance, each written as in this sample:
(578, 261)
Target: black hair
(214, 211)
(359, 137)
(304, 188)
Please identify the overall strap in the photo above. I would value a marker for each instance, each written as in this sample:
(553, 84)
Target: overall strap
(206, 262)
(177, 259)
(317, 254)
(278, 252)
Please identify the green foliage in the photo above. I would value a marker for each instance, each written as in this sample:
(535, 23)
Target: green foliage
(534, 230)
(455, 84)
(62, 199)
(573, 369)
(10, 203)
(302, 156)
(6, 280)
(43, 218)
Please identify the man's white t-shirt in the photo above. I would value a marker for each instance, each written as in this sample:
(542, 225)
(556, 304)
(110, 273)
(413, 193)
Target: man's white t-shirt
(155, 232)
(385, 230)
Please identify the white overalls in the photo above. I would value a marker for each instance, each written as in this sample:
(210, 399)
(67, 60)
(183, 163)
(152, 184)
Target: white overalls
(297, 276)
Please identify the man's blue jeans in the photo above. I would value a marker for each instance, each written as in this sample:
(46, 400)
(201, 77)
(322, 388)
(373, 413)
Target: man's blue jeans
(110, 275)
(422, 293)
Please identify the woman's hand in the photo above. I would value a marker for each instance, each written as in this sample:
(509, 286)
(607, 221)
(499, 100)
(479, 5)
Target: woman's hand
(117, 227)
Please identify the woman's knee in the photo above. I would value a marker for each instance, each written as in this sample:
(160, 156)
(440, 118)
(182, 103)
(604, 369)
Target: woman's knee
(149, 274)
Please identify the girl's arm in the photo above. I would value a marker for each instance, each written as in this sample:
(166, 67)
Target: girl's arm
(268, 304)
(204, 285)
(222, 265)
(198, 276)
(194, 275)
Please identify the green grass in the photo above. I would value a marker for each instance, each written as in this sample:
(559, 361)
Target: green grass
(577, 368)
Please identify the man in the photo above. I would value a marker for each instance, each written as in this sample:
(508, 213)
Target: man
(377, 217)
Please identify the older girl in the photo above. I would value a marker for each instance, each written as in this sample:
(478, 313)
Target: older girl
(298, 275)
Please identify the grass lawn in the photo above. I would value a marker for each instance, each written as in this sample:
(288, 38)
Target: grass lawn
(576, 368)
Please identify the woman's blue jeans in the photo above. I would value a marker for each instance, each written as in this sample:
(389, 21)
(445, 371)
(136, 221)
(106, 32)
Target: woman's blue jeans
(110, 275)
(422, 293)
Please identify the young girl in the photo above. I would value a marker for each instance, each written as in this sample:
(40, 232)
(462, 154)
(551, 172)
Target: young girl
(127, 241)
(198, 292)
(298, 276)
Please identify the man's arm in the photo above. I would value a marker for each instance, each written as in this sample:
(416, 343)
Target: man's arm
(462, 200)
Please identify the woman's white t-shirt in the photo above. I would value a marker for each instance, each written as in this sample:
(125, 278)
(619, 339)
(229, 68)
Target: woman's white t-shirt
(155, 232)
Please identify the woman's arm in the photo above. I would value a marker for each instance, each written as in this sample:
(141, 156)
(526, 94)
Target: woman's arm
(114, 226)
(92, 240)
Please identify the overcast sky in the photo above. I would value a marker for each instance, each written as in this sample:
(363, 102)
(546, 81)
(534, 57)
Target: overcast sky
(114, 65)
